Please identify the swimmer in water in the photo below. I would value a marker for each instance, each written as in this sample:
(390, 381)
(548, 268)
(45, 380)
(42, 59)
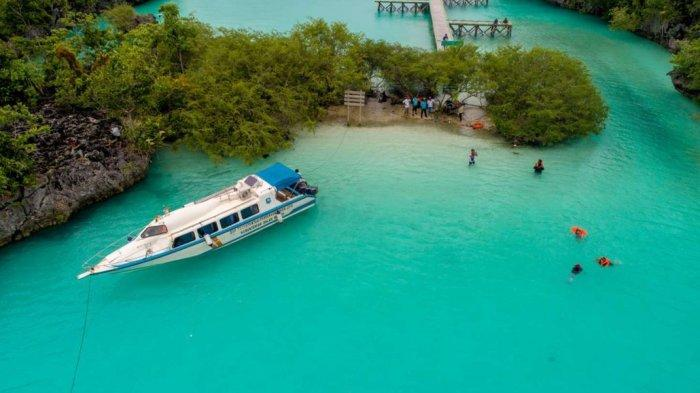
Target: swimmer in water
(579, 232)
(605, 262)
(575, 271)
(472, 157)
(539, 166)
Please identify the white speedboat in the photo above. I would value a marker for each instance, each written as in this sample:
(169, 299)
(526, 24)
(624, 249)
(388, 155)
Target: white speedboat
(249, 206)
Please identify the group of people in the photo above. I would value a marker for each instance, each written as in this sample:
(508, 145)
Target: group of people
(425, 104)
(578, 232)
(538, 167)
(604, 262)
(505, 21)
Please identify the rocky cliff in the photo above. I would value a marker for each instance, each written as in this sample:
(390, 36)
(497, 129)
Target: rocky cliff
(82, 159)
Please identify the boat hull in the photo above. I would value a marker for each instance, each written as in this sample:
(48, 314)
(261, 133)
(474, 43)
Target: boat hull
(221, 238)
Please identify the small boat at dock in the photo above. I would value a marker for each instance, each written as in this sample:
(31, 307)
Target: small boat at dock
(252, 204)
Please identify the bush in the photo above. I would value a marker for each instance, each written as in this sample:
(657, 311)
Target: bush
(622, 19)
(122, 17)
(687, 63)
(16, 165)
(541, 96)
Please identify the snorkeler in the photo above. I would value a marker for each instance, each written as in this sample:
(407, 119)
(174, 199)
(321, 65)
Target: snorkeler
(579, 232)
(576, 269)
(539, 166)
(605, 262)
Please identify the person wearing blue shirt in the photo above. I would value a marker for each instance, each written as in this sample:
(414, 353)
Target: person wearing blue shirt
(424, 108)
(414, 101)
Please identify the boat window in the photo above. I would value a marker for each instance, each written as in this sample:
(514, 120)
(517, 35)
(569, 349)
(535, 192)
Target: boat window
(208, 229)
(183, 239)
(251, 181)
(250, 211)
(229, 220)
(154, 230)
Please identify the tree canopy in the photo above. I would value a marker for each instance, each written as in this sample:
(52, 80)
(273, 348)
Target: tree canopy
(687, 63)
(541, 96)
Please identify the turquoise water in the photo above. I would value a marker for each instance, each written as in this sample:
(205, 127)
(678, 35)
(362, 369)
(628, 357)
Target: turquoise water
(414, 272)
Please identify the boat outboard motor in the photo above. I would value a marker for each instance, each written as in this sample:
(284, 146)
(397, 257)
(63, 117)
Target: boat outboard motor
(311, 190)
(304, 188)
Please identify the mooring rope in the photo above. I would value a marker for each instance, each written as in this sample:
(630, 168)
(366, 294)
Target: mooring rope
(82, 337)
(323, 162)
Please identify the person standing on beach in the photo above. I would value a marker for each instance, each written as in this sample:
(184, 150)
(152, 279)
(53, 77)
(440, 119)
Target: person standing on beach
(424, 108)
(406, 106)
(460, 111)
(415, 103)
(431, 104)
(472, 157)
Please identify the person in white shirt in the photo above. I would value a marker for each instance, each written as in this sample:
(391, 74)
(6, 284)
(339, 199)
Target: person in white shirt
(406, 106)
(431, 103)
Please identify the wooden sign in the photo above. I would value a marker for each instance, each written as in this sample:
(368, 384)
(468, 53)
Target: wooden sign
(354, 98)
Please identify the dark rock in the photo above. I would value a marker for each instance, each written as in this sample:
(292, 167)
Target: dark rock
(682, 83)
(145, 18)
(79, 162)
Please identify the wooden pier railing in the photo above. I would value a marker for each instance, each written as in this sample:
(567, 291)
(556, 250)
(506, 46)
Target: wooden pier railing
(476, 28)
(417, 6)
(392, 6)
(451, 3)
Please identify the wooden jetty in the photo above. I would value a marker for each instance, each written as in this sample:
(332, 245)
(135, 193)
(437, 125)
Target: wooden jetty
(476, 28)
(438, 16)
(447, 28)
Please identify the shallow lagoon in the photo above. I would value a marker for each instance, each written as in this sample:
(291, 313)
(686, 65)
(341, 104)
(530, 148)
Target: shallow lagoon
(414, 272)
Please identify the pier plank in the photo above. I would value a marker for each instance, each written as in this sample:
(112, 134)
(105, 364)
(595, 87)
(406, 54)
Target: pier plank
(438, 16)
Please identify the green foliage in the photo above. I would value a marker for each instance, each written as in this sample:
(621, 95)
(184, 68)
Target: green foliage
(541, 96)
(178, 40)
(16, 148)
(33, 17)
(122, 85)
(687, 63)
(622, 19)
(234, 94)
(411, 71)
(122, 17)
(38, 17)
(20, 77)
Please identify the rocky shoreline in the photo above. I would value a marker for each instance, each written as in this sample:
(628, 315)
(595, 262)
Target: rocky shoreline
(81, 160)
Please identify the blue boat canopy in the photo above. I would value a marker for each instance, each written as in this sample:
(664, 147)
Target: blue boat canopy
(279, 175)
